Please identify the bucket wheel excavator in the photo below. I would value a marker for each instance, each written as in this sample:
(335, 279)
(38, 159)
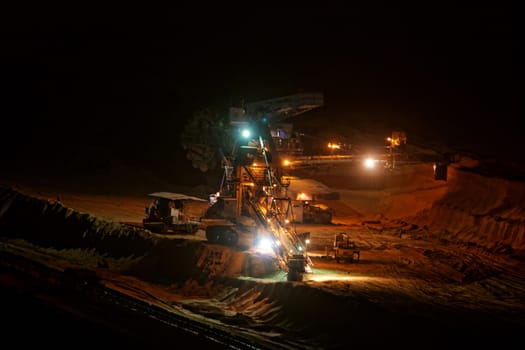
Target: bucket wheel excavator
(251, 209)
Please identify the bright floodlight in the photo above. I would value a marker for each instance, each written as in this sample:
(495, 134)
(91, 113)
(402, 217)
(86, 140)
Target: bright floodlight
(370, 163)
(245, 133)
(264, 246)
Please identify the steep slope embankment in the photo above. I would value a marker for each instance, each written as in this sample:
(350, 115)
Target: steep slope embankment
(471, 206)
(478, 209)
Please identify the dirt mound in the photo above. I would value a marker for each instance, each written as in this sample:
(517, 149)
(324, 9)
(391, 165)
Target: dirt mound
(151, 257)
(50, 224)
(475, 208)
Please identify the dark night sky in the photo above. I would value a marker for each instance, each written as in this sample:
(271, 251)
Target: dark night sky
(115, 77)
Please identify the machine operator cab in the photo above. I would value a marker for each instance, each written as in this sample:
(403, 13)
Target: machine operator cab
(166, 213)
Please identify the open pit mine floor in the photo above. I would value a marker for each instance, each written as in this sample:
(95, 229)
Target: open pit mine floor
(431, 276)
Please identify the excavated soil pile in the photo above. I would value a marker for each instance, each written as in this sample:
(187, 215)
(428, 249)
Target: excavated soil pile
(154, 258)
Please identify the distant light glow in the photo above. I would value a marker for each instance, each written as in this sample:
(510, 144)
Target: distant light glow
(334, 145)
(303, 197)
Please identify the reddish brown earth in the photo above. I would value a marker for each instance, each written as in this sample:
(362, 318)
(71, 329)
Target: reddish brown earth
(442, 262)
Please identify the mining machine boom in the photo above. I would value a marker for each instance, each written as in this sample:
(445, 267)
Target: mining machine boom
(252, 207)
